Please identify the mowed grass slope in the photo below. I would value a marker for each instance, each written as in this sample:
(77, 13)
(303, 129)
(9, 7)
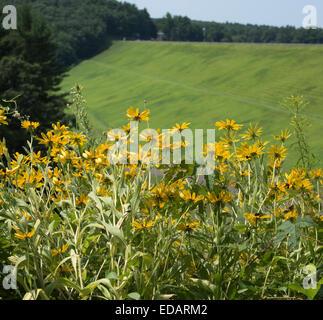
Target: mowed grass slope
(203, 83)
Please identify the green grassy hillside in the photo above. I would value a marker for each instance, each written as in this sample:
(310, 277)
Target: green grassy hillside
(203, 83)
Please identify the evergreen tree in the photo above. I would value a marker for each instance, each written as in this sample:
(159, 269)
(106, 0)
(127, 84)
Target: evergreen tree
(29, 70)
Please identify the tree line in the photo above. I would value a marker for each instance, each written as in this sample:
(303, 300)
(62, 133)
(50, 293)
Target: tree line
(82, 29)
(179, 28)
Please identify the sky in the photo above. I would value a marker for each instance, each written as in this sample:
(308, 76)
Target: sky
(268, 12)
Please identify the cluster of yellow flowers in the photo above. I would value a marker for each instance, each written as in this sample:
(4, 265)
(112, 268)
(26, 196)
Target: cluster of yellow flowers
(68, 160)
(71, 212)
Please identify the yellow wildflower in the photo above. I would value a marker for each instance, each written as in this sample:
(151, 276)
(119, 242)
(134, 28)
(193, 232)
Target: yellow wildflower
(229, 125)
(82, 199)
(187, 195)
(223, 197)
(60, 250)
(277, 153)
(20, 235)
(3, 148)
(291, 214)
(316, 174)
(253, 218)
(190, 226)
(246, 152)
(283, 136)
(252, 132)
(2, 118)
(180, 127)
(28, 125)
(135, 115)
(143, 224)
(77, 139)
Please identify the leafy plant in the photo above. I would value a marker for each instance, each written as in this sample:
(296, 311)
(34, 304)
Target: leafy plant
(77, 226)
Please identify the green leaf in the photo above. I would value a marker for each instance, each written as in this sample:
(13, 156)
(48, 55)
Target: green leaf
(206, 284)
(20, 260)
(74, 257)
(105, 292)
(91, 225)
(50, 287)
(34, 294)
(147, 260)
(288, 229)
(97, 202)
(69, 283)
(112, 276)
(134, 296)
(309, 293)
(89, 288)
(240, 228)
(115, 231)
(56, 221)
(305, 222)
(84, 275)
(293, 230)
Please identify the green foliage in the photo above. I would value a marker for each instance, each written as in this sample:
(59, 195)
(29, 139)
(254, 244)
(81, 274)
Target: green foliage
(300, 124)
(79, 108)
(30, 73)
(311, 294)
(6, 249)
(77, 227)
(84, 28)
(178, 28)
(293, 231)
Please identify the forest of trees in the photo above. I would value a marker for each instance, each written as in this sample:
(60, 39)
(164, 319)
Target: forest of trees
(30, 75)
(178, 28)
(84, 28)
